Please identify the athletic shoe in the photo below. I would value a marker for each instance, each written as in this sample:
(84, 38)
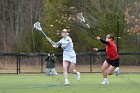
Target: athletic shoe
(56, 74)
(67, 83)
(117, 71)
(78, 76)
(104, 82)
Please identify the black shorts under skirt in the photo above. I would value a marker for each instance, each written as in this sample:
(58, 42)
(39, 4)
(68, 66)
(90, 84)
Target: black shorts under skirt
(114, 63)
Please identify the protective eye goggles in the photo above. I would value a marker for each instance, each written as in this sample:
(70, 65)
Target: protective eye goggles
(108, 37)
(64, 32)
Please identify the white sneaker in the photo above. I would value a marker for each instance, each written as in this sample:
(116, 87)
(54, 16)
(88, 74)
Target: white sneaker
(117, 71)
(67, 83)
(56, 74)
(105, 82)
(78, 76)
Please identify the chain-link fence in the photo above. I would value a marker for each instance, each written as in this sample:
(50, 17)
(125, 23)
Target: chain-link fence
(86, 62)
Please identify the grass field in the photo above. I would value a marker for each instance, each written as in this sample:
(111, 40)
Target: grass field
(89, 83)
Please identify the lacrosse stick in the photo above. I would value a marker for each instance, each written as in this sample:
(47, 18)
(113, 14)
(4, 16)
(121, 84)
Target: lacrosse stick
(38, 27)
(82, 20)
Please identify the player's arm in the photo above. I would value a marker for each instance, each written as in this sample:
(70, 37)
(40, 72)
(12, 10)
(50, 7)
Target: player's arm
(62, 44)
(103, 41)
(59, 45)
(66, 43)
(47, 58)
(100, 50)
(53, 59)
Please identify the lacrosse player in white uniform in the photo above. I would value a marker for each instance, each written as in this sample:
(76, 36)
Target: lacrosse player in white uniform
(69, 55)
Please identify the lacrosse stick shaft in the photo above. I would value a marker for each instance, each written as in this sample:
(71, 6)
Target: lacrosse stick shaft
(94, 34)
(52, 42)
(82, 19)
(87, 25)
(89, 28)
(38, 27)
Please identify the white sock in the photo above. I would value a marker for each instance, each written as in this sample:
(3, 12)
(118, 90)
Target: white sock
(105, 79)
(78, 72)
(66, 80)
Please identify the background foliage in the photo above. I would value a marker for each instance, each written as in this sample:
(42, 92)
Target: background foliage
(119, 17)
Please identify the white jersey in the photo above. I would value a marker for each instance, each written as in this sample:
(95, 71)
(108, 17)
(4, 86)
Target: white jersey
(68, 51)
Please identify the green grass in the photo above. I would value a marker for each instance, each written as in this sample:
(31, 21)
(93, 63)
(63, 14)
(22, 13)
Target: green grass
(89, 83)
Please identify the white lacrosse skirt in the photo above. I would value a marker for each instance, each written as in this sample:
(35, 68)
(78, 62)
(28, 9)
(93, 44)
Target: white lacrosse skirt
(69, 56)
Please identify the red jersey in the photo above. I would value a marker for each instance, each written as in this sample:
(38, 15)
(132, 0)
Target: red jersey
(112, 51)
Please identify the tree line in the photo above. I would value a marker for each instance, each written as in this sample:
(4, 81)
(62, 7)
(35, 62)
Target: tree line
(119, 17)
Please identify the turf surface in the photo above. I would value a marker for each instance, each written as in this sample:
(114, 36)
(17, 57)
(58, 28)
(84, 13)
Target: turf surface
(89, 83)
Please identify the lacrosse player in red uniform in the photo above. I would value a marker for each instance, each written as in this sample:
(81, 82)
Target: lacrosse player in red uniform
(111, 64)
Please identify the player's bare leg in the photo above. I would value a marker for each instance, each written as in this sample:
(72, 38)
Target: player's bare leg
(72, 67)
(110, 70)
(65, 72)
(104, 69)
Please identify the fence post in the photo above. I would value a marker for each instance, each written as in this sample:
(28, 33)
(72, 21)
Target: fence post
(90, 62)
(19, 62)
(41, 64)
(17, 55)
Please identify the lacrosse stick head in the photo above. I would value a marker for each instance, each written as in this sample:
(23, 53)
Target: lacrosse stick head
(81, 17)
(37, 26)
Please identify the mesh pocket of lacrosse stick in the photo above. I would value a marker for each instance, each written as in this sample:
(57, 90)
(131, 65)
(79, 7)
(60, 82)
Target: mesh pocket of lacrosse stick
(37, 26)
(81, 18)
